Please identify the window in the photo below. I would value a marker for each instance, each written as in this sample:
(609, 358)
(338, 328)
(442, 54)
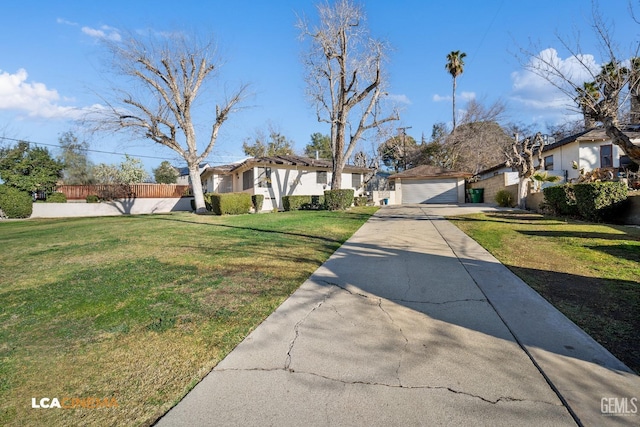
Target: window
(548, 163)
(356, 180)
(247, 179)
(321, 177)
(606, 156)
(264, 177)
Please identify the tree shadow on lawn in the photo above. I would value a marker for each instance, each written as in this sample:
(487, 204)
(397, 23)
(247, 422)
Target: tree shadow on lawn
(259, 230)
(581, 234)
(607, 309)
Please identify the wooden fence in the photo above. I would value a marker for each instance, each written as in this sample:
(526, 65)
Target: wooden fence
(133, 191)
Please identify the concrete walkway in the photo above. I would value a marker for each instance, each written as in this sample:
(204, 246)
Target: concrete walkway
(411, 322)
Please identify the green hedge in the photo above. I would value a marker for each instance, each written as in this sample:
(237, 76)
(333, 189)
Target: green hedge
(561, 199)
(505, 199)
(56, 197)
(92, 198)
(15, 203)
(228, 203)
(256, 201)
(593, 201)
(338, 199)
(360, 201)
(296, 203)
(599, 201)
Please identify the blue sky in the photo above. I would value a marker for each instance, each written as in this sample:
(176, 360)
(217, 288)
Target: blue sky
(52, 64)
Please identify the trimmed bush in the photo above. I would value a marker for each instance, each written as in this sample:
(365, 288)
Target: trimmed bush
(15, 203)
(92, 198)
(505, 199)
(296, 203)
(336, 200)
(228, 203)
(598, 201)
(361, 201)
(561, 200)
(56, 197)
(257, 200)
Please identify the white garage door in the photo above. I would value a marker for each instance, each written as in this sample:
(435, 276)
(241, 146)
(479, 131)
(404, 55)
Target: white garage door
(430, 191)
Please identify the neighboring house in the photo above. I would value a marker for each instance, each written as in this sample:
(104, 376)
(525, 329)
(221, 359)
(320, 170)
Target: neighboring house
(590, 150)
(183, 174)
(278, 176)
(429, 184)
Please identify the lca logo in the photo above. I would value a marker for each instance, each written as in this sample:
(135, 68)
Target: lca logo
(619, 406)
(75, 402)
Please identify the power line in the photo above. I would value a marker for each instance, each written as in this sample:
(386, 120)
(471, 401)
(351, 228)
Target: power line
(106, 152)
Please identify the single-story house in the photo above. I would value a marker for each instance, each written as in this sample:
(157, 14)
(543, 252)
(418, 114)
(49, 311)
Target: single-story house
(429, 184)
(590, 149)
(277, 176)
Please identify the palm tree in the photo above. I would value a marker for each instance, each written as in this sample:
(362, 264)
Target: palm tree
(455, 67)
(587, 99)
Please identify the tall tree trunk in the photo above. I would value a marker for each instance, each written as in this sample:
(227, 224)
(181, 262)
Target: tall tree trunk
(454, 104)
(196, 187)
(338, 157)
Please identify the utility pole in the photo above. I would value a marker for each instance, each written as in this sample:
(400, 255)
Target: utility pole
(404, 145)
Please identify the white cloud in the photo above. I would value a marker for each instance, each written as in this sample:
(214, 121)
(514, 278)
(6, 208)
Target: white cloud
(66, 22)
(440, 98)
(538, 92)
(399, 99)
(465, 96)
(104, 32)
(16, 93)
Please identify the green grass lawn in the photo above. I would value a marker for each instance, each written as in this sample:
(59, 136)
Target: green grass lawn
(590, 272)
(139, 308)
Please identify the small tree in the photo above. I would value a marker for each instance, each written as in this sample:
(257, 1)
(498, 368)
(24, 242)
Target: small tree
(522, 157)
(275, 144)
(395, 152)
(130, 171)
(77, 167)
(29, 169)
(320, 144)
(165, 173)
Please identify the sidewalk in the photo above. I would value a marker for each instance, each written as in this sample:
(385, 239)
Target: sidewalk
(411, 322)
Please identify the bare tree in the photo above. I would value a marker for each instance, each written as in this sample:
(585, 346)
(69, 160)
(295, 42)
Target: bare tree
(167, 74)
(610, 86)
(526, 157)
(344, 70)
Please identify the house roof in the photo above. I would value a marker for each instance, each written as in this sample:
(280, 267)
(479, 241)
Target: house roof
(430, 171)
(593, 135)
(287, 160)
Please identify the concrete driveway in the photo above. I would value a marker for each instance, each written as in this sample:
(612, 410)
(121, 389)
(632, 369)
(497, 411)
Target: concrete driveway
(411, 322)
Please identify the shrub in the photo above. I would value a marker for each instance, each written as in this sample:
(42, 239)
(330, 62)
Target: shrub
(15, 203)
(56, 197)
(561, 200)
(505, 199)
(338, 199)
(295, 203)
(598, 201)
(92, 198)
(361, 201)
(257, 200)
(228, 203)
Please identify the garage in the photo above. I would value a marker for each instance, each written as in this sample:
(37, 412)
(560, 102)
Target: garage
(430, 184)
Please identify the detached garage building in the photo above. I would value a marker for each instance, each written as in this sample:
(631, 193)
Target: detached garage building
(429, 184)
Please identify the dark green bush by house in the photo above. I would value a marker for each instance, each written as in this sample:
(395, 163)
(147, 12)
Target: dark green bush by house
(92, 198)
(361, 201)
(15, 203)
(296, 203)
(56, 197)
(505, 199)
(257, 200)
(599, 201)
(561, 200)
(228, 203)
(336, 200)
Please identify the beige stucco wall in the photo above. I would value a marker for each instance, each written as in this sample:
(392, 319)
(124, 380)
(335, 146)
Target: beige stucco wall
(493, 185)
(116, 207)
